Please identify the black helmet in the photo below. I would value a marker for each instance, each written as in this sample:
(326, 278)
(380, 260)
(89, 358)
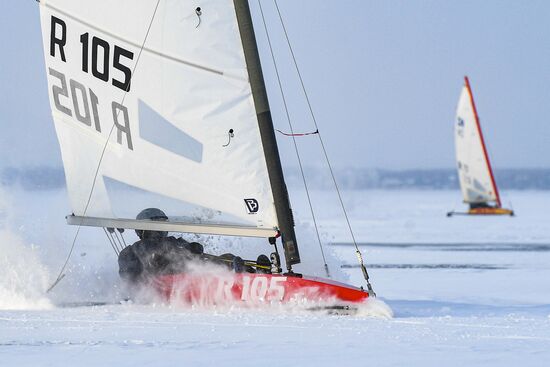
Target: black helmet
(155, 215)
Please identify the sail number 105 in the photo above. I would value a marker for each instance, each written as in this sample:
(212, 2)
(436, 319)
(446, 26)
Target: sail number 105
(96, 55)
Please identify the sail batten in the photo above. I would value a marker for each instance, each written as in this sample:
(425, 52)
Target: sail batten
(474, 169)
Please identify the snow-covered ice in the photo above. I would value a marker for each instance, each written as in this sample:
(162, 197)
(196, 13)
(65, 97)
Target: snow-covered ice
(129, 336)
(464, 291)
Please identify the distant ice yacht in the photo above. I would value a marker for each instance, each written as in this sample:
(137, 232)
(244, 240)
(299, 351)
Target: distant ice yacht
(477, 182)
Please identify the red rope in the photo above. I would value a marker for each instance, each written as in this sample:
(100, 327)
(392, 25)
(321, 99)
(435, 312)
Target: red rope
(298, 134)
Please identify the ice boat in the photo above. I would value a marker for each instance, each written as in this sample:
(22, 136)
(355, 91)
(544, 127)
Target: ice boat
(477, 182)
(167, 100)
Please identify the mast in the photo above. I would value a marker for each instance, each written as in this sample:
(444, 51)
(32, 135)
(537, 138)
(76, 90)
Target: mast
(493, 182)
(267, 132)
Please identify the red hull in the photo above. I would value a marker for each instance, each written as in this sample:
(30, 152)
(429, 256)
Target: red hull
(253, 288)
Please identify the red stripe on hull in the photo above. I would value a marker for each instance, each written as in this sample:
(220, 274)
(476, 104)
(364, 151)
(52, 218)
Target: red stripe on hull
(253, 288)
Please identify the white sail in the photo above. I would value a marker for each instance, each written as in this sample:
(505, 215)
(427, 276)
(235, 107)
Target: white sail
(170, 145)
(474, 170)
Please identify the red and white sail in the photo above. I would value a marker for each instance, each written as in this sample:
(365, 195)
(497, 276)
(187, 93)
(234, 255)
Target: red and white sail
(474, 168)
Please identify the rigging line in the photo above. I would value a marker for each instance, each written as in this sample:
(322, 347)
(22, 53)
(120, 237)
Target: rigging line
(119, 241)
(121, 231)
(61, 275)
(357, 251)
(111, 232)
(115, 249)
(297, 134)
(294, 141)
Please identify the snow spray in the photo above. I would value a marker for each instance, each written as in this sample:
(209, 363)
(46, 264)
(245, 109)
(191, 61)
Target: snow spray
(23, 278)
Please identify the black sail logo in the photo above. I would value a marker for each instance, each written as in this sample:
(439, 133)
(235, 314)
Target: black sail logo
(252, 205)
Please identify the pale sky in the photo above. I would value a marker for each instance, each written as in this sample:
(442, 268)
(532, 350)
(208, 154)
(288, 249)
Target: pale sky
(384, 78)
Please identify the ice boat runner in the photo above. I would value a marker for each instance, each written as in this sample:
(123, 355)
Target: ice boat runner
(477, 182)
(165, 101)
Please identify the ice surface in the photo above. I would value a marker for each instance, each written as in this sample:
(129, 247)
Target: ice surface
(464, 291)
(158, 336)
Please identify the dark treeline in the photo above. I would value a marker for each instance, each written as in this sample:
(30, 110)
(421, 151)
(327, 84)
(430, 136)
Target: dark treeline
(429, 179)
(47, 178)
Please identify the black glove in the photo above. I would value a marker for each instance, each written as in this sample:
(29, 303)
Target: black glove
(195, 248)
